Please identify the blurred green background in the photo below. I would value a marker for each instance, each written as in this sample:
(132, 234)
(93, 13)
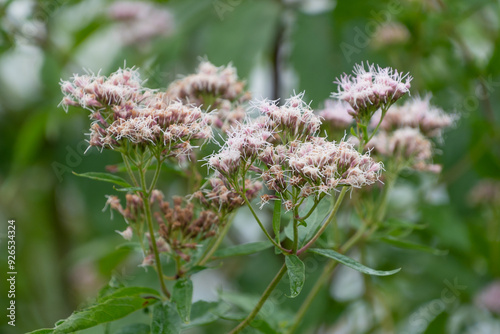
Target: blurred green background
(66, 246)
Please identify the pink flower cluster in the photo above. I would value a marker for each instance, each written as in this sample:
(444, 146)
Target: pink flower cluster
(283, 149)
(213, 87)
(124, 110)
(295, 120)
(139, 22)
(370, 89)
(416, 113)
(337, 114)
(406, 145)
(94, 91)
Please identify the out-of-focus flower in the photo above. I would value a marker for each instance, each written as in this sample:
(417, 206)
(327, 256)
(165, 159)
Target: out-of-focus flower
(486, 192)
(416, 113)
(405, 145)
(489, 297)
(127, 234)
(209, 86)
(220, 197)
(370, 89)
(139, 22)
(337, 114)
(390, 33)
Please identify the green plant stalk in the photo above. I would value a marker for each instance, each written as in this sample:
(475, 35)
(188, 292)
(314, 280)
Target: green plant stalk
(242, 193)
(330, 266)
(327, 272)
(261, 302)
(215, 245)
(328, 219)
(147, 211)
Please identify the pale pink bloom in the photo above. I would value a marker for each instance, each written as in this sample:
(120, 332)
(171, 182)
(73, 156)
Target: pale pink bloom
(390, 33)
(338, 114)
(489, 297)
(416, 113)
(370, 89)
(139, 22)
(127, 234)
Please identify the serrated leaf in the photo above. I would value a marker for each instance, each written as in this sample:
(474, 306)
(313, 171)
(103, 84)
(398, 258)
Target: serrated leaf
(109, 308)
(277, 219)
(165, 320)
(413, 245)
(296, 273)
(182, 296)
(351, 263)
(106, 177)
(244, 249)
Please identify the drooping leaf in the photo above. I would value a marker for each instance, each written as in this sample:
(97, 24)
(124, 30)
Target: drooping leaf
(106, 177)
(165, 320)
(244, 249)
(413, 245)
(109, 308)
(351, 263)
(296, 273)
(182, 296)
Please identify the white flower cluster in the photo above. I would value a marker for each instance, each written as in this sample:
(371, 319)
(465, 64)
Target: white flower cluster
(370, 89)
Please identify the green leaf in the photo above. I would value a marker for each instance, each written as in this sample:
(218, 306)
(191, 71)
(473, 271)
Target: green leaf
(296, 273)
(42, 331)
(165, 320)
(109, 308)
(413, 245)
(203, 313)
(244, 249)
(277, 219)
(182, 296)
(106, 177)
(128, 189)
(134, 329)
(351, 263)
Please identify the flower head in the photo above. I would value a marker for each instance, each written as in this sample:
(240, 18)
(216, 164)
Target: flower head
(370, 89)
(417, 113)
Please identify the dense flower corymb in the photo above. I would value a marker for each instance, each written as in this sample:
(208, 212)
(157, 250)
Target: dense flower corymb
(370, 89)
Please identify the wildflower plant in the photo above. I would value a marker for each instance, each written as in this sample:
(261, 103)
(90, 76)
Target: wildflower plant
(280, 156)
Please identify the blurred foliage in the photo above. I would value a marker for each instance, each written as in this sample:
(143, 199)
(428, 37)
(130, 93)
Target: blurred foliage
(67, 248)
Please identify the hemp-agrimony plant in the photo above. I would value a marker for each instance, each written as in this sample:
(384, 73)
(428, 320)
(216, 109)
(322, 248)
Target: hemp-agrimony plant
(281, 154)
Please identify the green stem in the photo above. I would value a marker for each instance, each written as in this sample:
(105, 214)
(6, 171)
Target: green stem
(215, 245)
(129, 170)
(260, 223)
(159, 163)
(261, 302)
(147, 210)
(327, 221)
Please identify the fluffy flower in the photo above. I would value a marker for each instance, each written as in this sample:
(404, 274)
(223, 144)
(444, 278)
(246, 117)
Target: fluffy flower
(416, 113)
(93, 91)
(295, 120)
(210, 84)
(370, 89)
